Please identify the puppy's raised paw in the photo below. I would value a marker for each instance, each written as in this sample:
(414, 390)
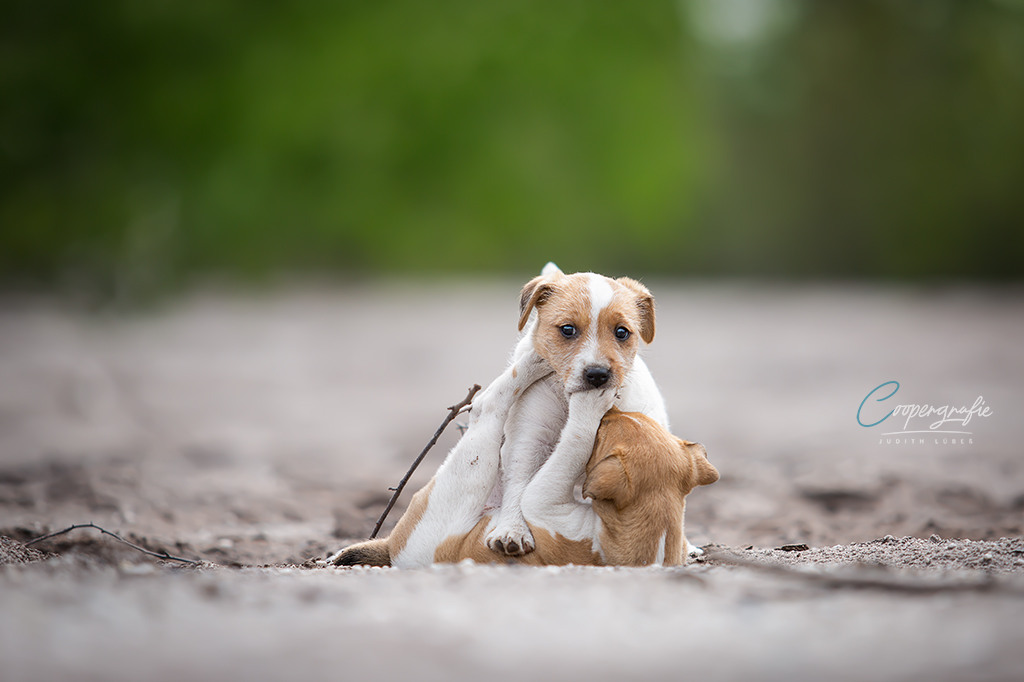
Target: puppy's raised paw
(510, 542)
(529, 369)
(592, 404)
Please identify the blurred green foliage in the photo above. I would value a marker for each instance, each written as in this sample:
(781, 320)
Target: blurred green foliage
(143, 143)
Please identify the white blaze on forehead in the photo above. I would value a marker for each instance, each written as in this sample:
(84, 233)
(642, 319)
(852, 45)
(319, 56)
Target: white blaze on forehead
(601, 295)
(600, 292)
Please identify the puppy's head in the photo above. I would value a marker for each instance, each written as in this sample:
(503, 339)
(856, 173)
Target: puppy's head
(636, 457)
(638, 477)
(589, 327)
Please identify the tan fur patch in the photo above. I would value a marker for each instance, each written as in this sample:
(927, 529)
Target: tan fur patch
(645, 306)
(410, 519)
(369, 553)
(618, 354)
(567, 303)
(471, 545)
(551, 550)
(556, 550)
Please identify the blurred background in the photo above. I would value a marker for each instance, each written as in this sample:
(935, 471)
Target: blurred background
(144, 145)
(251, 250)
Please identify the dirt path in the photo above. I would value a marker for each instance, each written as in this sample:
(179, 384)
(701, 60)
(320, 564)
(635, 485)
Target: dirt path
(248, 431)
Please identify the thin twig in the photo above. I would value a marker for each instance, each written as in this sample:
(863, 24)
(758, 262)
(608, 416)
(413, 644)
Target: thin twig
(158, 555)
(453, 412)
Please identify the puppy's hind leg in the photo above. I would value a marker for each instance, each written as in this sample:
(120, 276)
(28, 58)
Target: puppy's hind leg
(464, 481)
(531, 432)
(369, 553)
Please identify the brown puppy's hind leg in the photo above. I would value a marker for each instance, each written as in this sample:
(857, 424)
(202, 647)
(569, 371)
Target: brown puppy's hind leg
(369, 553)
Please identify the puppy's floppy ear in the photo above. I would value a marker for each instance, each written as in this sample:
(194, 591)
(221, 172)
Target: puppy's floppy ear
(534, 294)
(608, 481)
(645, 303)
(702, 472)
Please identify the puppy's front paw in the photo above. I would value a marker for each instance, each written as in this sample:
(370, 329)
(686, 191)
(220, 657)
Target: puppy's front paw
(593, 403)
(510, 541)
(529, 369)
(498, 397)
(693, 551)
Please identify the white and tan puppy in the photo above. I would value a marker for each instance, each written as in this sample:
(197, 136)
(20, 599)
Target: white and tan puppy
(635, 474)
(589, 329)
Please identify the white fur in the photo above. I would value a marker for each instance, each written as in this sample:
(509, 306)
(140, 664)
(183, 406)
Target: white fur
(659, 559)
(639, 393)
(601, 295)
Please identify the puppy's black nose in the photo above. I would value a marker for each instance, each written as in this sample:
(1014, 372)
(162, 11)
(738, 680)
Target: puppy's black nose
(597, 376)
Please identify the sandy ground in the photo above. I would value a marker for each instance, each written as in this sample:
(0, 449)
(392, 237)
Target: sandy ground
(250, 431)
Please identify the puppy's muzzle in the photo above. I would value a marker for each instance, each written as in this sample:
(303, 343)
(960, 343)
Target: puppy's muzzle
(597, 376)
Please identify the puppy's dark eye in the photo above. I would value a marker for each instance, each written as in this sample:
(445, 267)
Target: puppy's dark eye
(568, 331)
(621, 333)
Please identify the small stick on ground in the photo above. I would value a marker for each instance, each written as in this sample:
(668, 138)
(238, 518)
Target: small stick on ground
(158, 555)
(453, 412)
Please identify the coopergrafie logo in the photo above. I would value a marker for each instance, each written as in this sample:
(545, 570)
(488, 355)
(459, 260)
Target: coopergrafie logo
(947, 414)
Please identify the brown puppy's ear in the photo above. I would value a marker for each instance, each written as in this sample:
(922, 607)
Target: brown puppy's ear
(645, 303)
(608, 481)
(534, 294)
(703, 471)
